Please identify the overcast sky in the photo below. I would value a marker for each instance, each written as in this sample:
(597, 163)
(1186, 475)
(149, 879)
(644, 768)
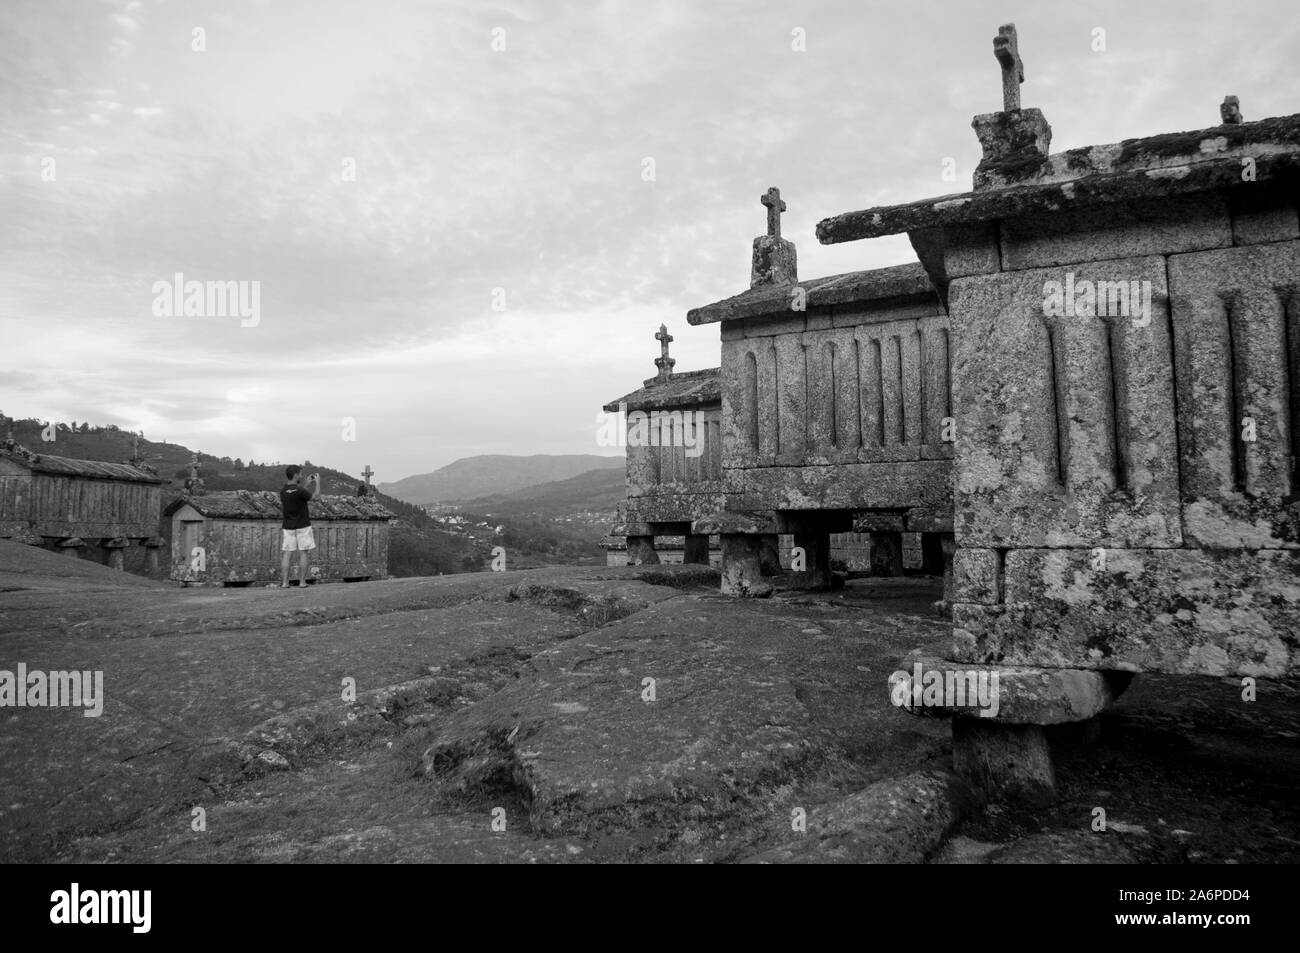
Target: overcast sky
(477, 169)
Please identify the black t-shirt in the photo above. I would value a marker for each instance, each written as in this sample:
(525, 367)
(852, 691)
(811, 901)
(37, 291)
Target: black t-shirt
(293, 499)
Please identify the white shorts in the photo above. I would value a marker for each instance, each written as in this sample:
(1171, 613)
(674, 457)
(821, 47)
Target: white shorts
(295, 540)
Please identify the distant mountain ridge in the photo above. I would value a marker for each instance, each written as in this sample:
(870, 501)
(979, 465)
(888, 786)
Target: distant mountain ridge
(473, 478)
(594, 491)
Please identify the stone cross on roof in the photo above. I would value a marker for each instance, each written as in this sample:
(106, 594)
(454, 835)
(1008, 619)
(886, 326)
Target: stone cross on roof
(663, 361)
(194, 485)
(772, 199)
(1007, 50)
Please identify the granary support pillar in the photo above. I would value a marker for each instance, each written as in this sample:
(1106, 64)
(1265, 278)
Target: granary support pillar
(742, 538)
(72, 547)
(152, 546)
(1001, 716)
(884, 529)
(742, 566)
(641, 546)
(1004, 762)
(115, 549)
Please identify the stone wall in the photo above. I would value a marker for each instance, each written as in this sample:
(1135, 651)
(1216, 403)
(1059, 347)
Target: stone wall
(1125, 483)
(669, 463)
(838, 408)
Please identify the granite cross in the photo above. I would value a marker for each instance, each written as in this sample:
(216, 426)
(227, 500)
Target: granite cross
(367, 473)
(664, 362)
(772, 199)
(663, 337)
(1007, 50)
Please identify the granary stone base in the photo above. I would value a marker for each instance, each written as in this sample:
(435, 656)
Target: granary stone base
(1180, 611)
(828, 554)
(742, 566)
(153, 547)
(1020, 694)
(114, 549)
(641, 551)
(999, 714)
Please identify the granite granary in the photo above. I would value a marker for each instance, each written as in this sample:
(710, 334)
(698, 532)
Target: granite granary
(232, 537)
(835, 394)
(672, 429)
(1087, 391)
(106, 512)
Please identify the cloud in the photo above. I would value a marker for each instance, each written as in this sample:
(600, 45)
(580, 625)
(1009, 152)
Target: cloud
(476, 170)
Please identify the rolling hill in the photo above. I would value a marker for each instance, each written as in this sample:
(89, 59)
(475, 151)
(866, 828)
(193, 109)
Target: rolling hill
(490, 474)
(597, 491)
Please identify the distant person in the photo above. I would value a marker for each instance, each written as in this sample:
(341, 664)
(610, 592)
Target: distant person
(296, 535)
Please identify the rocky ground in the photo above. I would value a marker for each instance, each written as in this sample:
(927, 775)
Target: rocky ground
(574, 715)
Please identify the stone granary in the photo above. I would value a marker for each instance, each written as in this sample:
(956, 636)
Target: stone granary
(232, 537)
(660, 491)
(1123, 327)
(836, 414)
(107, 512)
(672, 428)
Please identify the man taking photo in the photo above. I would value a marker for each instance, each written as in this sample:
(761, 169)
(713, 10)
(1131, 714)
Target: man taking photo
(296, 535)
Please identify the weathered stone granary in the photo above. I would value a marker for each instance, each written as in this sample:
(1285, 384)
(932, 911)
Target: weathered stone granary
(836, 413)
(1122, 324)
(672, 427)
(232, 537)
(108, 512)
